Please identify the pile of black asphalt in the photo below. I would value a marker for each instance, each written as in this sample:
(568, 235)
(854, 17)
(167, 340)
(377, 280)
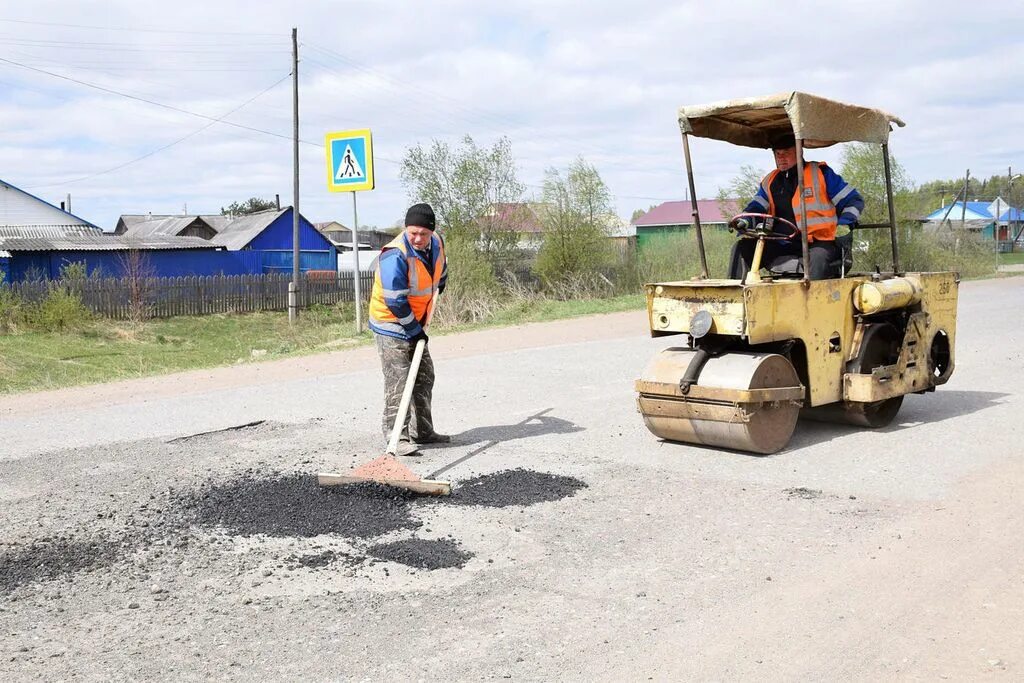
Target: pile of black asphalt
(514, 487)
(422, 553)
(295, 505)
(45, 559)
(280, 505)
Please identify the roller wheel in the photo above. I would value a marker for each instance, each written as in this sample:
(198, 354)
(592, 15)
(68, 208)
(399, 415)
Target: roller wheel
(758, 428)
(881, 346)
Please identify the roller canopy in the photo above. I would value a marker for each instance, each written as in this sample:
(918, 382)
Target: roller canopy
(758, 121)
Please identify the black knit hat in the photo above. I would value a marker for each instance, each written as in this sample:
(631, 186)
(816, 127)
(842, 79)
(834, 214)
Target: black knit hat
(420, 215)
(784, 141)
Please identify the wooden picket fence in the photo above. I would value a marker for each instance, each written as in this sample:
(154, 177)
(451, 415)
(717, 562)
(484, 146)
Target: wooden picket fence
(165, 297)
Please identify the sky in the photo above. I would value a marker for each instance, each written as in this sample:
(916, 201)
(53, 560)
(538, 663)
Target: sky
(140, 106)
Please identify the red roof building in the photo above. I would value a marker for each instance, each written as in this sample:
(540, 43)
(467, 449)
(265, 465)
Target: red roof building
(680, 214)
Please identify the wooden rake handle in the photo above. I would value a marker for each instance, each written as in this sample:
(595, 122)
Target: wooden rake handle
(410, 382)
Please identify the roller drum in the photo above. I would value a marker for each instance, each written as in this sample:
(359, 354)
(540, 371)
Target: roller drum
(709, 413)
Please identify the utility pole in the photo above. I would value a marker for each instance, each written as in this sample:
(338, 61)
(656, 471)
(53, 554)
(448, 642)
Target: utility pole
(963, 207)
(293, 289)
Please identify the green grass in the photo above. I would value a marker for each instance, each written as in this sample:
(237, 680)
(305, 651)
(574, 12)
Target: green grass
(1014, 258)
(105, 350)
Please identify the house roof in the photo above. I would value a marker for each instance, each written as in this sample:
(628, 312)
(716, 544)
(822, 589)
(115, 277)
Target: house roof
(244, 229)
(513, 217)
(681, 213)
(972, 211)
(102, 243)
(20, 208)
(1012, 215)
(46, 231)
(166, 226)
(330, 225)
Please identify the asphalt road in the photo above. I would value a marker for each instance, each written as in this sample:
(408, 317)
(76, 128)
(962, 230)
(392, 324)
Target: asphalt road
(853, 554)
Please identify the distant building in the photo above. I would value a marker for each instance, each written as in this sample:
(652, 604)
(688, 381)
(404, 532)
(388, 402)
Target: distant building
(977, 217)
(31, 258)
(269, 233)
(341, 236)
(148, 225)
(677, 216)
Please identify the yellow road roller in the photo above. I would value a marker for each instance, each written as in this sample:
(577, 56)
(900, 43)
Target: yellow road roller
(763, 351)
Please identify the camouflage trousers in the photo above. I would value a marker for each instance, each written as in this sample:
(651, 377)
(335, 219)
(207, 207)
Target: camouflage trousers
(395, 360)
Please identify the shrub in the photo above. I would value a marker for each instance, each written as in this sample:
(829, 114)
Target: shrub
(11, 311)
(60, 310)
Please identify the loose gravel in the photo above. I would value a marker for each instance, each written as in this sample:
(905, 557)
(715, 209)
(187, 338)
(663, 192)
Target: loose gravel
(422, 553)
(46, 559)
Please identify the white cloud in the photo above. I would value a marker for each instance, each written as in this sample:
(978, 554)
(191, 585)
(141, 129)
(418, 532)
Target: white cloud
(560, 78)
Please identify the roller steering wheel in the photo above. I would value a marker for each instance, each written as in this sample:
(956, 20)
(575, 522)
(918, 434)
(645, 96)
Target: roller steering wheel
(757, 230)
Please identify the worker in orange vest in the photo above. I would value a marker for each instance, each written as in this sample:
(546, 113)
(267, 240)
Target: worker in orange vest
(833, 208)
(410, 269)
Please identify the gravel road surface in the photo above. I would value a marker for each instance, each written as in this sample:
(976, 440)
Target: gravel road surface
(170, 528)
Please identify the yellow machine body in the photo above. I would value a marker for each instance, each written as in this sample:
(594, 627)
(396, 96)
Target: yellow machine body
(821, 327)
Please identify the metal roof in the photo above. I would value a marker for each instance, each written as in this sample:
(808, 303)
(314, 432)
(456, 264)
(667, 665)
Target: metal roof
(244, 229)
(167, 226)
(975, 211)
(102, 243)
(681, 213)
(47, 231)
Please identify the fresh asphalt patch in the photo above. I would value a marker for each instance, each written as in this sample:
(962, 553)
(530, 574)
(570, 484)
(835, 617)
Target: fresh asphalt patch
(46, 559)
(294, 505)
(280, 505)
(514, 487)
(422, 553)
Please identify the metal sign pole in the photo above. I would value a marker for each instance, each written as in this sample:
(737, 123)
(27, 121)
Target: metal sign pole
(356, 273)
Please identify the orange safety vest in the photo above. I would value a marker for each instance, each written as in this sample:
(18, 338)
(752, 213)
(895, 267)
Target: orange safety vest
(821, 212)
(422, 285)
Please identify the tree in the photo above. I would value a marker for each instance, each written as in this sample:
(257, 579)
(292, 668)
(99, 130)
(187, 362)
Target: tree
(577, 215)
(463, 184)
(863, 167)
(740, 190)
(250, 205)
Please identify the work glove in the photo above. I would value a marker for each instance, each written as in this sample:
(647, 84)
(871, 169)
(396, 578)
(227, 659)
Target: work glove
(741, 225)
(422, 334)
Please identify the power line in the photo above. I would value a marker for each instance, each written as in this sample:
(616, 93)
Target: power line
(219, 119)
(152, 102)
(137, 30)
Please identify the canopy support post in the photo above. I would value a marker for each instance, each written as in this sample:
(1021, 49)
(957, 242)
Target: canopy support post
(892, 210)
(694, 212)
(803, 209)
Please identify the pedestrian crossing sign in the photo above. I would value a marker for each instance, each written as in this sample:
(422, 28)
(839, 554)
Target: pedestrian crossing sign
(349, 161)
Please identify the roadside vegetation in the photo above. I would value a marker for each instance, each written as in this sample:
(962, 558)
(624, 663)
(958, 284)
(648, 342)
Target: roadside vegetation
(515, 257)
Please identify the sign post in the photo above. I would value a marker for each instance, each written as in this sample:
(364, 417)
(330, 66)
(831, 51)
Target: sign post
(350, 169)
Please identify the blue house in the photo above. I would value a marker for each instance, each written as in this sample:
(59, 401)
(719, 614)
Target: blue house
(31, 258)
(267, 237)
(978, 217)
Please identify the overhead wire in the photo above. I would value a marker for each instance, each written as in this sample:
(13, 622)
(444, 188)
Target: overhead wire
(478, 114)
(155, 103)
(219, 119)
(137, 29)
(468, 113)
